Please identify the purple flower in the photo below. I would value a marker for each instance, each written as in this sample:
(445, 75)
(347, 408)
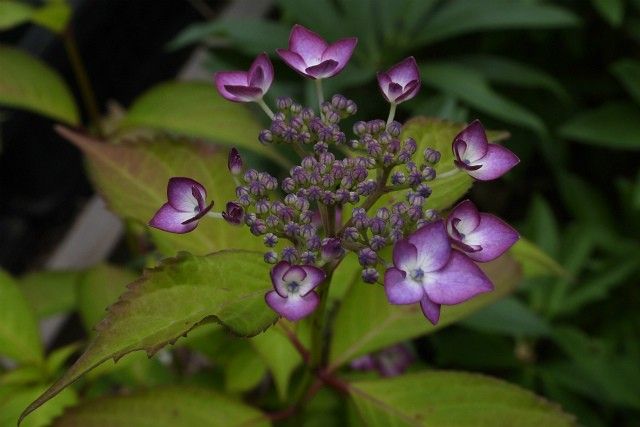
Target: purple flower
(310, 55)
(233, 214)
(482, 236)
(246, 86)
(428, 271)
(293, 296)
(185, 206)
(389, 362)
(401, 82)
(482, 160)
(234, 162)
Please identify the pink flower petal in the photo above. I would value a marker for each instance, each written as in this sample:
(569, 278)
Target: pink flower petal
(276, 277)
(169, 219)
(294, 60)
(314, 276)
(459, 280)
(476, 142)
(261, 73)
(180, 194)
(292, 308)
(244, 93)
(230, 78)
(496, 162)
(433, 246)
(400, 289)
(405, 71)
(322, 70)
(295, 273)
(493, 235)
(309, 45)
(468, 215)
(405, 255)
(409, 91)
(340, 52)
(430, 309)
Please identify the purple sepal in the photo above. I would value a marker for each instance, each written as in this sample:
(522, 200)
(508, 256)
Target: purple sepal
(233, 214)
(246, 86)
(185, 206)
(479, 158)
(293, 296)
(310, 55)
(428, 271)
(401, 82)
(483, 236)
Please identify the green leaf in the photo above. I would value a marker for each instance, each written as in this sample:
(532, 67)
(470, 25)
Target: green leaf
(543, 226)
(195, 109)
(172, 406)
(30, 84)
(13, 399)
(99, 288)
(280, 356)
(54, 15)
(167, 302)
(366, 322)
(613, 125)
(534, 262)
(244, 371)
(611, 10)
(474, 89)
(628, 72)
(50, 292)
(508, 316)
(458, 17)
(319, 15)
(250, 36)
(19, 336)
(133, 178)
(457, 399)
(13, 13)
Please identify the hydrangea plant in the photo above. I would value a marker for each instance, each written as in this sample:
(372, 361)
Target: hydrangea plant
(371, 205)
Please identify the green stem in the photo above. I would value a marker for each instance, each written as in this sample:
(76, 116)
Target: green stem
(82, 78)
(320, 94)
(265, 108)
(318, 325)
(392, 113)
(448, 173)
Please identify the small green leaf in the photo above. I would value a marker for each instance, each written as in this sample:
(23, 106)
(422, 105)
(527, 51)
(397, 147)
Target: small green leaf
(133, 178)
(30, 84)
(13, 399)
(99, 288)
(171, 406)
(628, 72)
(195, 109)
(13, 13)
(366, 322)
(50, 292)
(474, 89)
(534, 261)
(167, 302)
(244, 371)
(452, 399)
(611, 10)
(459, 17)
(613, 125)
(53, 15)
(19, 336)
(279, 355)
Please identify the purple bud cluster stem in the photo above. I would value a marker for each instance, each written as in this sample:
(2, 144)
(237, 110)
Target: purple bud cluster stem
(329, 204)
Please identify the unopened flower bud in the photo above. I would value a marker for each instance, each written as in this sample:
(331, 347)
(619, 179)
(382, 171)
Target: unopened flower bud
(428, 173)
(398, 178)
(370, 275)
(431, 156)
(234, 162)
(351, 234)
(283, 102)
(290, 254)
(331, 249)
(367, 257)
(233, 214)
(377, 242)
(394, 128)
(360, 128)
(270, 240)
(265, 136)
(431, 215)
(270, 257)
(308, 258)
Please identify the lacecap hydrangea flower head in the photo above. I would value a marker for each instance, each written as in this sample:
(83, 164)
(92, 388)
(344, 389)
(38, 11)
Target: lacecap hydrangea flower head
(301, 218)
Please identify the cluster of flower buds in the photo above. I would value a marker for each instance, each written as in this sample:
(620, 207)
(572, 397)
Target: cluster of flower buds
(302, 219)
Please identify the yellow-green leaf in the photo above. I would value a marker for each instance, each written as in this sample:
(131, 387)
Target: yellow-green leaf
(133, 178)
(13, 13)
(366, 321)
(30, 84)
(227, 287)
(452, 399)
(195, 109)
(14, 398)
